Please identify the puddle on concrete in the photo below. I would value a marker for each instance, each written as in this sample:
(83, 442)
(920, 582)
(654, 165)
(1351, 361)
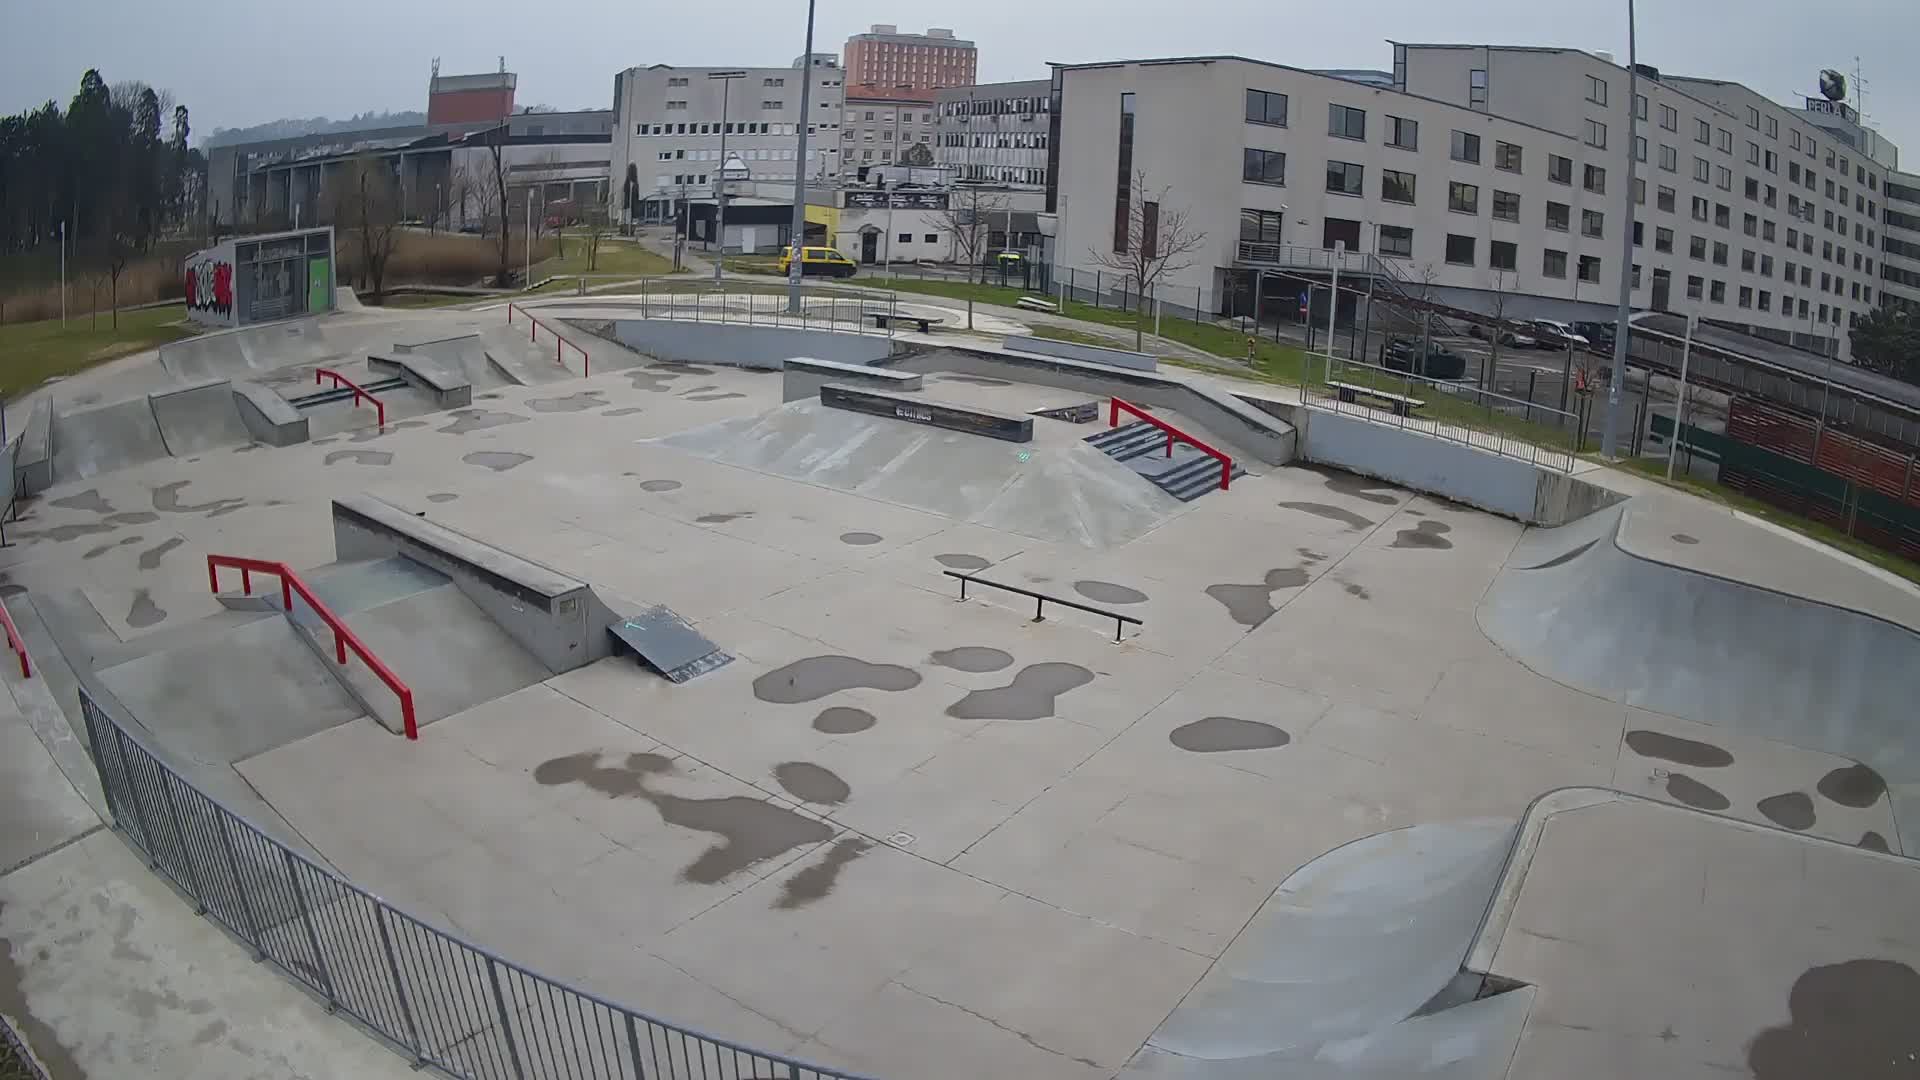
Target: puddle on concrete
(706, 389)
(1853, 1019)
(1690, 792)
(1031, 695)
(817, 676)
(1106, 592)
(150, 558)
(1690, 752)
(629, 411)
(465, 420)
(679, 367)
(656, 384)
(860, 539)
(497, 460)
(713, 397)
(1356, 590)
(812, 783)
(359, 457)
(972, 380)
(1873, 841)
(814, 882)
(1683, 538)
(722, 519)
(751, 830)
(974, 658)
(1332, 513)
(442, 496)
(144, 612)
(580, 402)
(1790, 810)
(1855, 785)
(1360, 487)
(326, 441)
(63, 533)
(1562, 560)
(843, 720)
(166, 499)
(94, 553)
(1430, 535)
(1251, 605)
(247, 449)
(659, 485)
(372, 433)
(90, 500)
(962, 562)
(1218, 734)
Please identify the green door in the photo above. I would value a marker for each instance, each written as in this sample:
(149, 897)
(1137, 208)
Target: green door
(319, 284)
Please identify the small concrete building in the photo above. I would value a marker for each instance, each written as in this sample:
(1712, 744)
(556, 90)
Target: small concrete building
(252, 279)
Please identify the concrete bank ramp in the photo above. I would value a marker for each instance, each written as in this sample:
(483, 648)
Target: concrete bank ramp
(194, 419)
(1327, 978)
(91, 442)
(469, 354)
(1061, 492)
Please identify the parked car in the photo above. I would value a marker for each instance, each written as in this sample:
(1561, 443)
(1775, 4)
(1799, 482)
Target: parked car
(1554, 334)
(1601, 334)
(1440, 362)
(1516, 335)
(818, 262)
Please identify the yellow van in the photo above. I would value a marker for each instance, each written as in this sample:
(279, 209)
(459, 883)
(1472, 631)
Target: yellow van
(818, 262)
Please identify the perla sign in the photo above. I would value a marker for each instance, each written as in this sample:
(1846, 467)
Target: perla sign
(1835, 108)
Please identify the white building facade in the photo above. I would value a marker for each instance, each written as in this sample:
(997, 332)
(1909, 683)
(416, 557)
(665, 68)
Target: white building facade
(880, 127)
(995, 132)
(1900, 242)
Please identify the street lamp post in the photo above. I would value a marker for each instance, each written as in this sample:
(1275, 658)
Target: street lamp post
(800, 170)
(720, 176)
(1610, 432)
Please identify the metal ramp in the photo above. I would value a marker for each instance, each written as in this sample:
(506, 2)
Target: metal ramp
(665, 642)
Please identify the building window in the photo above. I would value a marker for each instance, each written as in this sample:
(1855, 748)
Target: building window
(1766, 298)
(1768, 231)
(1753, 153)
(1639, 192)
(1772, 196)
(1596, 134)
(1724, 140)
(1553, 263)
(1595, 180)
(1596, 90)
(1476, 89)
(1263, 166)
(1669, 158)
(1123, 185)
(1592, 223)
(931, 238)
(1506, 206)
(1663, 199)
(1466, 147)
(1403, 133)
(1460, 249)
(1590, 269)
(1663, 240)
(1507, 156)
(1345, 178)
(1773, 127)
(1753, 118)
(1722, 215)
(1719, 253)
(1639, 234)
(1752, 189)
(1723, 178)
(1463, 198)
(1697, 248)
(1696, 287)
(1261, 226)
(1639, 148)
(1266, 108)
(1717, 292)
(1702, 170)
(1702, 132)
(1748, 260)
(1502, 255)
(1746, 296)
(1396, 186)
(1396, 240)
(676, 82)
(1559, 169)
(1346, 123)
(1772, 161)
(1640, 106)
(1558, 216)
(1669, 118)
(1750, 224)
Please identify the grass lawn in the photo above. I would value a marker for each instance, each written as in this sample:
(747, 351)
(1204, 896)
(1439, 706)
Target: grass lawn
(753, 264)
(37, 351)
(1067, 333)
(615, 257)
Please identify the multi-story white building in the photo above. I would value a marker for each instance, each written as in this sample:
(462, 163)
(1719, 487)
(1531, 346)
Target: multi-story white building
(1492, 177)
(882, 124)
(995, 132)
(668, 128)
(1900, 242)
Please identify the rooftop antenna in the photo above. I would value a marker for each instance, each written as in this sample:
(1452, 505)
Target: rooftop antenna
(436, 67)
(1859, 91)
(503, 65)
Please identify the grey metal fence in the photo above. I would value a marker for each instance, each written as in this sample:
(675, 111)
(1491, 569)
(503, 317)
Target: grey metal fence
(1536, 434)
(444, 1002)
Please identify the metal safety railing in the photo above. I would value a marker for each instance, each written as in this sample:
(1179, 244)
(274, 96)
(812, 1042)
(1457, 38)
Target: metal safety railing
(1041, 600)
(560, 341)
(340, 381)
(1455, 411)
(820, 309)
(443, 1001)
(343, 638)
(1115, 407)
(15, 642)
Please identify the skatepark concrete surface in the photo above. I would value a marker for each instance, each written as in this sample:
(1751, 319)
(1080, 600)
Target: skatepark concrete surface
(1291, 825)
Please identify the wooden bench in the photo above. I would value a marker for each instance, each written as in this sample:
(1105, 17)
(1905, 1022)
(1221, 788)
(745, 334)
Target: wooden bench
(925, 322)
(1401, 404)
(1034, 303)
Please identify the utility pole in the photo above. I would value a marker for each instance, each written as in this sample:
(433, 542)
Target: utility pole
(800, 170)
(720, 177)
(1610, 431)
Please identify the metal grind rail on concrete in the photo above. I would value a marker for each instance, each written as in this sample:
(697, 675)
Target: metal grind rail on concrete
(1116, 407)
(1480, 436)
(560, 341)
(1041, 600)
(445, 1002)
(340, 380)
(343, 638)
(14, 642)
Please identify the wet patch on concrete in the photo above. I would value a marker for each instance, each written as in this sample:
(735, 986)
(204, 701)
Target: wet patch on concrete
(329, 440)
(144, 612)
(442, 497)
(962, 562)
(1356, 590)
(89, 500)
(1106, 592)
(1251, 605)
(63, 533)
(497, 460)
(1789, 810)
(1220, 734)
(166, 499)
(1360, 487)
(359, 457)
(150, 558)
(1562, 560)
(659, 485)
(372, 433)
(977, 659)
(654, 384)
(1689, 752)
(1683, 538)
(628, 411)
(722, 519)
(466, 420)
(1856, 785)
(1851, 1019)
(94, 553)
(860, 539)
(1348, 518)
(247, 449)
(1429, 535)
(1309, 555)
(751, 830)
(1032, 694)
(1690, 792)
(812, 783)
(843, 720)
(713, 397)
(814, 882)
(972, 380)
(679, 368)
(580, 402)
(817, 676)
(706, 389)
(1873, 841)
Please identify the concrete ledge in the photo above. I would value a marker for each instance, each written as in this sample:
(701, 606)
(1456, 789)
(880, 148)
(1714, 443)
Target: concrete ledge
(919, 410)
(268, 417)
(33, 457)
(406, 347)
(1073, 350)
(450, 389)
(802, 376)
(766, 347)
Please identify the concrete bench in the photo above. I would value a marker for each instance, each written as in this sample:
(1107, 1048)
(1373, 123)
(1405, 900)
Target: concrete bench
(1401, 404)
(883, 319)
(1034, 303)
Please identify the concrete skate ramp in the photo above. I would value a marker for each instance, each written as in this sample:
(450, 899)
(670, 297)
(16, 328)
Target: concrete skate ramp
(1350, 945)
(1067, 493)
(1576, 607)
(198, 418)
(103, 440)
(467, 354)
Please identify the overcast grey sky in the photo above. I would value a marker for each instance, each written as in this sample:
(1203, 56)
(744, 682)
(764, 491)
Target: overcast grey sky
(238, 62)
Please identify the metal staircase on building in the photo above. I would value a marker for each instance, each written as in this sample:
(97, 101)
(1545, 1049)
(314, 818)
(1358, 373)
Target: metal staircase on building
(1186, 473)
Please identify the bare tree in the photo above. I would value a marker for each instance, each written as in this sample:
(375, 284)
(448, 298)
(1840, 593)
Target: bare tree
(548, 168)
(593, 225)
(488, 184)
(1501, 291)
(1157, 242)
(366, 207)
(966, 220)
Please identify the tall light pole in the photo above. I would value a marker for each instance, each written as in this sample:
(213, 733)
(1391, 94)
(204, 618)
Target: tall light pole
(720, 176)
(800, 170)
(1610, 431)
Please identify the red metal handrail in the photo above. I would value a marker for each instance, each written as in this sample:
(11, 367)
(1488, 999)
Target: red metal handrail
(560, 341)
(1113, 420)
(14, 641)
(343, 638)
(340, 380)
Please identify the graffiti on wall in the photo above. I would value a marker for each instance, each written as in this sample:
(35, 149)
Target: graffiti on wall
(210, 287)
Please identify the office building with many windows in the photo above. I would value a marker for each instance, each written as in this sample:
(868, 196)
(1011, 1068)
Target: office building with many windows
(1900, 242)
(883, 56)
(995, 132)
(882, 124)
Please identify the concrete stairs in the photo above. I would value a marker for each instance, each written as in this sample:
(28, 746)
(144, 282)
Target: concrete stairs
(1186, 475)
